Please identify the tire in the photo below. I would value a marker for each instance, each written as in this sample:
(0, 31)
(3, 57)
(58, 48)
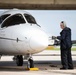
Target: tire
(31, 63)
(19, 60)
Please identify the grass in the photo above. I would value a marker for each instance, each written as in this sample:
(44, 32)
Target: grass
(74, 49)
(53, 48)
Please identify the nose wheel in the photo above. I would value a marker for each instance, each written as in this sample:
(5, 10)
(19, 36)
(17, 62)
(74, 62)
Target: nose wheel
(30, 63)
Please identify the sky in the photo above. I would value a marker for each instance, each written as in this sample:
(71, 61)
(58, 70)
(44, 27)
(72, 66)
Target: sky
(50, 20)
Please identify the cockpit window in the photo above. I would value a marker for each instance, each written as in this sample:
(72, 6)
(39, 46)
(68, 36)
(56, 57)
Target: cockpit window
(30, 19)
(3, 17)
(13, 20)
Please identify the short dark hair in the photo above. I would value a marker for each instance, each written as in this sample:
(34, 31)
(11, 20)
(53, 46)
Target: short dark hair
(62, 21)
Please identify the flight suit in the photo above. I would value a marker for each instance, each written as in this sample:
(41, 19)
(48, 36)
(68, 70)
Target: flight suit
(65, 46)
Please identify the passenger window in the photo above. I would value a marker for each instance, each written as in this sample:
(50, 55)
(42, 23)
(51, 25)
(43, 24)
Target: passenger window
(3, 17)
(13, 20)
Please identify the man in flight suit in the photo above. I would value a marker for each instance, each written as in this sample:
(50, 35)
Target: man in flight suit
(65, 46)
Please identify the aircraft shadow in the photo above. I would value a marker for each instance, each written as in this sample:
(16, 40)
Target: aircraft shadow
(11, 65)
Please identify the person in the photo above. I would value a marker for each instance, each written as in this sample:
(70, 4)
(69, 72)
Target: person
(65, 46)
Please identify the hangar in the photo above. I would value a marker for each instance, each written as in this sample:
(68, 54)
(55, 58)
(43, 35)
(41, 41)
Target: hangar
(39, 4)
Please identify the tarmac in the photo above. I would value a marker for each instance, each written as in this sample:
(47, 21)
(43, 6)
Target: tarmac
(48, 62)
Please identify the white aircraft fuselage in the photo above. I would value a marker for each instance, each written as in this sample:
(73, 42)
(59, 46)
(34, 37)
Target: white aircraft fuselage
(20, 34)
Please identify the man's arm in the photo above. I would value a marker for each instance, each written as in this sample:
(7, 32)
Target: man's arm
(63, 36)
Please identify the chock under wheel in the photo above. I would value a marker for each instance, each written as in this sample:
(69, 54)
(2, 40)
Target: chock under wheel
(32, 69)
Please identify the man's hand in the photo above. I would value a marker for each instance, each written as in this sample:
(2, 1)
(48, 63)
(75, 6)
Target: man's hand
(54, 37)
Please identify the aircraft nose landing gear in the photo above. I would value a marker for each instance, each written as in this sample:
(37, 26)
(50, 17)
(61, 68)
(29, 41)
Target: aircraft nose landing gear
(19, 60)
(30, 63)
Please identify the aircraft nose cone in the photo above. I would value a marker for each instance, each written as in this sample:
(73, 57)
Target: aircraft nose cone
(39, 41)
